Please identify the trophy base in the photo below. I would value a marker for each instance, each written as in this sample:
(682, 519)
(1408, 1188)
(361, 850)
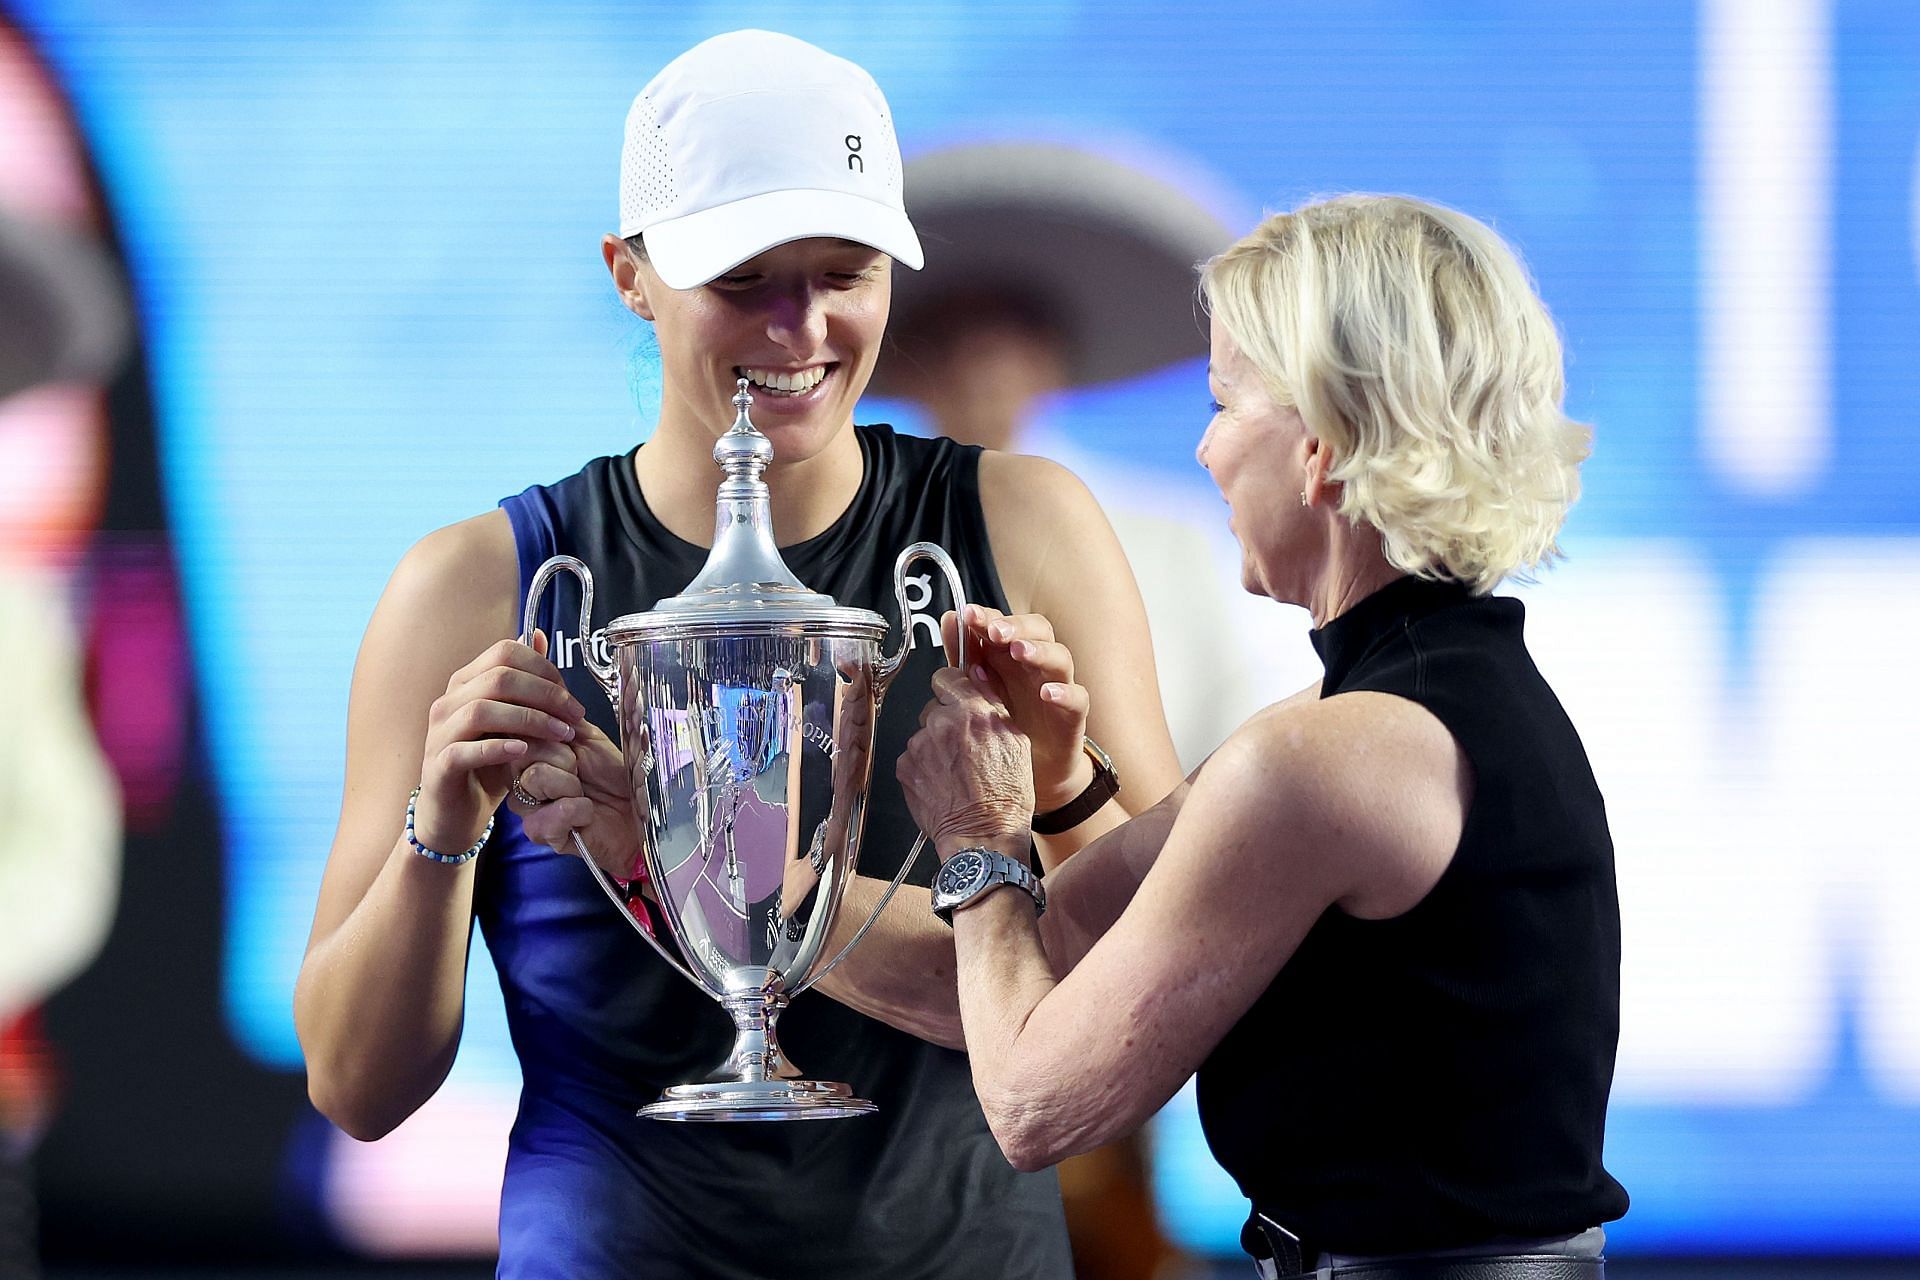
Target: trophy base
(726, 1100)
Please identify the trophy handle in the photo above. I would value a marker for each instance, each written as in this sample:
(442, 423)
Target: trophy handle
(899, 878)
(602, 670)
(887, 668)
(605, 674)
(619, 900)
(884, 672)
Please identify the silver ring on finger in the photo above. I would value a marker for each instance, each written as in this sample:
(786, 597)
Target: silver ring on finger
(526, 797)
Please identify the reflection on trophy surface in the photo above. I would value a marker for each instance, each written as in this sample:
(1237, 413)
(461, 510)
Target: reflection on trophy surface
(746, 707)
(741, 796)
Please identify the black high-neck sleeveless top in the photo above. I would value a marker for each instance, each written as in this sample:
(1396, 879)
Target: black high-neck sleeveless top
(601, 1025)
(1440, 1079)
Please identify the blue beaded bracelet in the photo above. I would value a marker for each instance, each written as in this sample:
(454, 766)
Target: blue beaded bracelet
(451, 859)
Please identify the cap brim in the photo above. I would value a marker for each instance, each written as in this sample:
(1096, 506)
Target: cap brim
(688, 252)
(1110, 249)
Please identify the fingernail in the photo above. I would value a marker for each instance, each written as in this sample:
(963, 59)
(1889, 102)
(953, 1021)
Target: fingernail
(980, 675)
(1000, 631)
(563, 729)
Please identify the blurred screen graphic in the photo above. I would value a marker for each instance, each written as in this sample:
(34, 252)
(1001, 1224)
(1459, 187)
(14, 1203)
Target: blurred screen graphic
(366, 242)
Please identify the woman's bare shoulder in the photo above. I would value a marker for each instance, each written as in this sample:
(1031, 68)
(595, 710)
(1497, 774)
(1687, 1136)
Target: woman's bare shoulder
(1344, 722)
(1049, 535)
(1014, 482)
(1373, 780)
(454, 592)
(471, 568)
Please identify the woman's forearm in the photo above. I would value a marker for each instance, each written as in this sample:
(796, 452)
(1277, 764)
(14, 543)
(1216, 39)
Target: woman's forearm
(1044, 1099)
(379, 1002)
(902, 971)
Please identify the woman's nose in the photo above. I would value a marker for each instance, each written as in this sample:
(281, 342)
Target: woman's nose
(1200, 450)
(798, 322)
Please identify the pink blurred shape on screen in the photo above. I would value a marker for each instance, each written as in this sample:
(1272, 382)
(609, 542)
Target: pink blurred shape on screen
(137, 673)
(432, 1186)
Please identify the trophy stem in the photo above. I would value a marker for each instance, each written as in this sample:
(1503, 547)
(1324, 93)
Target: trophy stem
(757, 1081)
(756, 1050)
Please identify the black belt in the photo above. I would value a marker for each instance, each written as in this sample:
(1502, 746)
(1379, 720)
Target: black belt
(1281, 1255)
(1516, 1266)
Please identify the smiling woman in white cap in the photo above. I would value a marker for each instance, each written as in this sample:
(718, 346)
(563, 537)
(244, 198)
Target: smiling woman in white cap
(761, 215)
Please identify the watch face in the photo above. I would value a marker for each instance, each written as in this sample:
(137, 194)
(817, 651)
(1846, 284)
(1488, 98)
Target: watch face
(962, 871)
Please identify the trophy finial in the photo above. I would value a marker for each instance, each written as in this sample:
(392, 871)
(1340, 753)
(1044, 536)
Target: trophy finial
(743, 452)
(744, 564)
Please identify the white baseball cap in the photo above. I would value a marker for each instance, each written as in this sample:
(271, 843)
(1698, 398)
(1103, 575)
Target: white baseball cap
(753, 139)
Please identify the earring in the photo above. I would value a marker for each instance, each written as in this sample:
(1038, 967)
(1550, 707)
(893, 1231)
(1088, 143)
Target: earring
(1303, 497)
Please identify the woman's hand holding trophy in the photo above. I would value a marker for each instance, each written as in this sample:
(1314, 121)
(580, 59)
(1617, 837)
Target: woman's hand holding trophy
(580, 786)
(506, 707)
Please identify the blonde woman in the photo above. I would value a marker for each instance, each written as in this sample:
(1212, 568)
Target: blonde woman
(1380, 921)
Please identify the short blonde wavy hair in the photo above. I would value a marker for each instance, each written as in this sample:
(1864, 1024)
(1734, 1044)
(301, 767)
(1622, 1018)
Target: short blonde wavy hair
(1409, 338)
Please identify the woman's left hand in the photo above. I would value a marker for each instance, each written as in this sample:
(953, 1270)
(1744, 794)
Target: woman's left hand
(1031, 674)
(968, 772)
(582, 787)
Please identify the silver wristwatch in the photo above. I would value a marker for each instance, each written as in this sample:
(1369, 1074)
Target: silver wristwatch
(970, 873)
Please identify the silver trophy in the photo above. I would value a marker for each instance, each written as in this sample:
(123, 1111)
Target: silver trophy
(746, 706)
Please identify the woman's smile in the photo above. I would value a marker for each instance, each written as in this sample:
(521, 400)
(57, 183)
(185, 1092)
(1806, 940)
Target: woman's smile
(785, 391)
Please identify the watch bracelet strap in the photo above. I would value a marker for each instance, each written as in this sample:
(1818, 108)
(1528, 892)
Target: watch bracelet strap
(1025, 879)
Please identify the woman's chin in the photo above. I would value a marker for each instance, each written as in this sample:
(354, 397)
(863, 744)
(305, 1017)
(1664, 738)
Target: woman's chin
(800, 426)
(797, 439)
(1252, 580)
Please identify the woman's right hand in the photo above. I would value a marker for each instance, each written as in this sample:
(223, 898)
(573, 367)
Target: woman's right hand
(498, 711)
(968, 772)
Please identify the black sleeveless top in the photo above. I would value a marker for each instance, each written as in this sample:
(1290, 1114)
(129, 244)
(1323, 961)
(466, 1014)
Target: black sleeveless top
(1440, 1079)
(601, 1025)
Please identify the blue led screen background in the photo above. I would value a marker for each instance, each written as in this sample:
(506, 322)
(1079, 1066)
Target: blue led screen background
(365, 238)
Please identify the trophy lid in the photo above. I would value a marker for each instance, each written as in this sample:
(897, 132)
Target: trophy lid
(745, 586)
